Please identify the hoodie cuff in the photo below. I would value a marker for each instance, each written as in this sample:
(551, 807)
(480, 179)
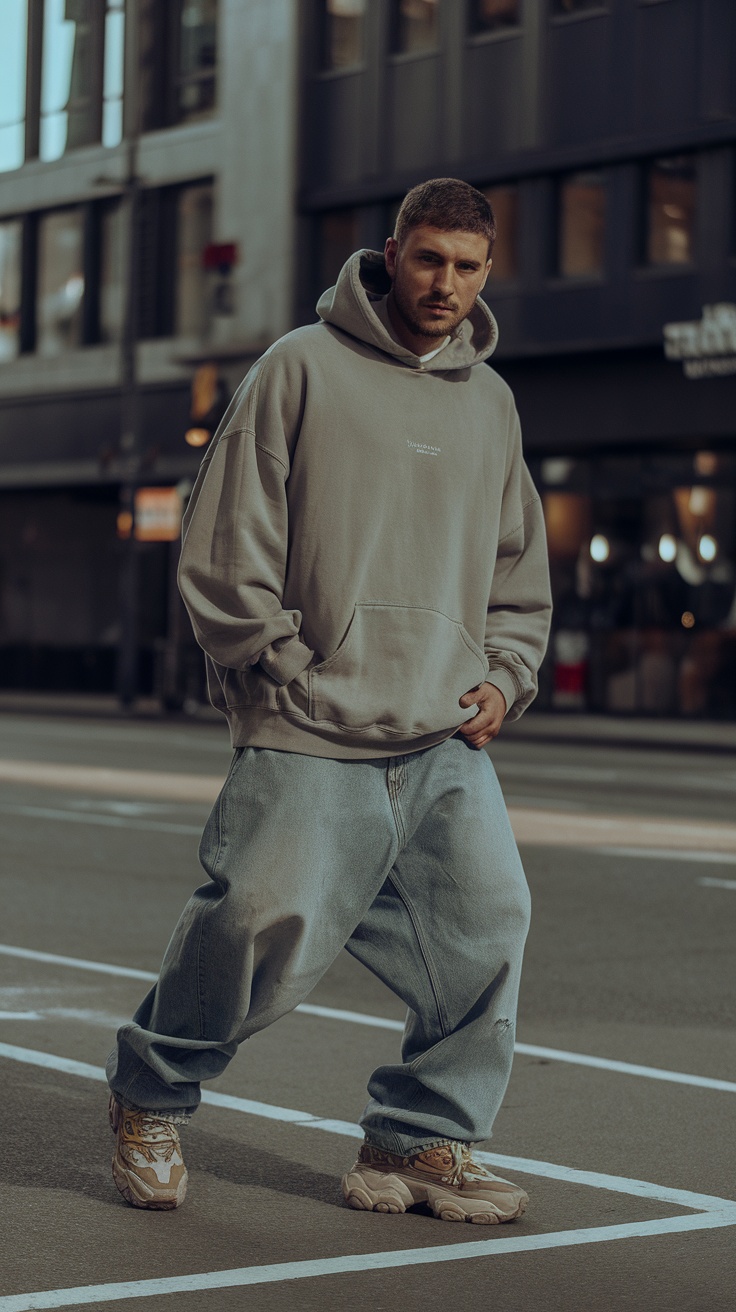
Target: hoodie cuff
(502, 680)
(284, 665)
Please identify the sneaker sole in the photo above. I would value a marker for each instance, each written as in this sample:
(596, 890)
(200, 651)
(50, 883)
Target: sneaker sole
(375, 1191)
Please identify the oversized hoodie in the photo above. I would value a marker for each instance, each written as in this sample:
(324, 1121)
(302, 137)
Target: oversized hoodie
(364, 543)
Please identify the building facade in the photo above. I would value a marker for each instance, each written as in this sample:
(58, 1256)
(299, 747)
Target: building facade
(184, 114)
(604, 134)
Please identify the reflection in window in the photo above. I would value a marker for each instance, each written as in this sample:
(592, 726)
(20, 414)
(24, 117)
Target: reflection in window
(581, 225)
(494, 15)
(504, 201)
(416, 26)
(82, 75)
(112, 77)
(60, 281)
(197, 58)
(342, 45)
(10, 277)
(12, 83)
(337, 240)
(112, 272)
(177, 44)
(671, 198)
(193, 233)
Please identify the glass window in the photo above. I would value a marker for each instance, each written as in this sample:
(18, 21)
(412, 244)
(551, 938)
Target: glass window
(70, 100)
(194, 232)
(337, 240)
(112, 77)
(13, 83)
(197, 58)
(11, 236)
(112, 272)
(342, 45)
(416, 26)
(494, 15)
(504, 201)
(581, 225)
(177, 45)
(671, 200)
(60, 281)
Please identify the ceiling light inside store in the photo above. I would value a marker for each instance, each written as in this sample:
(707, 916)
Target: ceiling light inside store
(687, 620)
(706, 464)
(707, 547)
(699, 501)
(197, 436)
(667, 547)
(600, 548)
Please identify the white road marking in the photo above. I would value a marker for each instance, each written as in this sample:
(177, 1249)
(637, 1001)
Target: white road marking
(384, 1022)
(625, 1067)
(668, 854)
(20, 1015)
(92, 818)
(305, 1120)
(718, 883)
(355, 1017)
(101, 967)
(713, 1212)
(381, 1261)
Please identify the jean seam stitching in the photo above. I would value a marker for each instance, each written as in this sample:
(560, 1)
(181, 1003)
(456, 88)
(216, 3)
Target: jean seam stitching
(426, 958)
(215, 863)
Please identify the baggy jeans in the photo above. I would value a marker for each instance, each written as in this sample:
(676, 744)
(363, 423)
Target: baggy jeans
(408, 861)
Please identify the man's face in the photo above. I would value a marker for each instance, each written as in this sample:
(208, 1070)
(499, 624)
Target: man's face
(436, 278)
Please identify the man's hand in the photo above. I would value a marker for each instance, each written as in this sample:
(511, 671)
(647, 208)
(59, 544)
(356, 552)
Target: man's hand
(489, 718)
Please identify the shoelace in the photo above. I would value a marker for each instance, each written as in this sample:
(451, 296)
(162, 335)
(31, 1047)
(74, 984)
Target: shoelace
(154, 1136)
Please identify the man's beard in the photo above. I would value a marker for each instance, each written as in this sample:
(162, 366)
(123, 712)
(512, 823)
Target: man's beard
(431, 329)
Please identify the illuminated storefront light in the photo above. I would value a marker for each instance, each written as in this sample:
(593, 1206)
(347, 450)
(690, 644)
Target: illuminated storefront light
(600, 548)
(667, 547)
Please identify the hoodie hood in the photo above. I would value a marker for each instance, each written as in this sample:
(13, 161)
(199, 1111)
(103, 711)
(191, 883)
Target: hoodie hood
(361, 287)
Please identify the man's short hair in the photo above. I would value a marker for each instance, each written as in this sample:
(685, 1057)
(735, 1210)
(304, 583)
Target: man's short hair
(447, 204)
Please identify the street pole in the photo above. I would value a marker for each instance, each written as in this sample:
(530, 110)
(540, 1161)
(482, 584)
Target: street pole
(130, 438)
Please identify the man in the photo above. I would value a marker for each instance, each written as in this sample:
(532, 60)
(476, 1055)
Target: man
(365, 567)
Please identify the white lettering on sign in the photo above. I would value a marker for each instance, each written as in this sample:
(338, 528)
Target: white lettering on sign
(707, 346)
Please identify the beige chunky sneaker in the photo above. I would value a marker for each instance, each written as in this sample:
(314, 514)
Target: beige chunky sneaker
(147, 1165)
(445, 1177)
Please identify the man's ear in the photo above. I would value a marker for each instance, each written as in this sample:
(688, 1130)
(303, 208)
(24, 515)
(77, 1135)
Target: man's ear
(389, 254)
(488, 270)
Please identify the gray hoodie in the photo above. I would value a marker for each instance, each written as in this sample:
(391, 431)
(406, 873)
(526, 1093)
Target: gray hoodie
(364, 543)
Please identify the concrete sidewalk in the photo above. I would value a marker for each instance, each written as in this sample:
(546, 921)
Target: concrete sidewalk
(535, 726)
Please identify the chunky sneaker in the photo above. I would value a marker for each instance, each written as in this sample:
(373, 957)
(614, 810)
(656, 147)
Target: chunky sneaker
(445, 1177)
(147, 1165)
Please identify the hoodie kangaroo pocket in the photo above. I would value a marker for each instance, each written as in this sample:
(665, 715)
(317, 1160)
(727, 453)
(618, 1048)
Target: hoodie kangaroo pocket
(398, 668)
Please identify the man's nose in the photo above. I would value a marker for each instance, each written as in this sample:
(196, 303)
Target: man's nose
(443, 282)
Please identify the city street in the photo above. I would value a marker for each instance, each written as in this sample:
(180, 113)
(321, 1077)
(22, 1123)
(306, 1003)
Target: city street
(618, 1119)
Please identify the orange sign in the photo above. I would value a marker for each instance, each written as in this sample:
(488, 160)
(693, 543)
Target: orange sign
(158, 512)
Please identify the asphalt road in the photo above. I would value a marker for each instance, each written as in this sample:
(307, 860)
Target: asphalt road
(618, 1120)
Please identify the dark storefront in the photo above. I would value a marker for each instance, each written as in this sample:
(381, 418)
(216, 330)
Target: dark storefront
(64, 537)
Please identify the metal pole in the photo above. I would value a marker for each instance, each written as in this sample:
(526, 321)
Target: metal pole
(130, 446)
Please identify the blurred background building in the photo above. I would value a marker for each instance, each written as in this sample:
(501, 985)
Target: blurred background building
(257, 143)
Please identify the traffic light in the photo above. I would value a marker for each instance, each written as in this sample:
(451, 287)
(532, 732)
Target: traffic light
(210, 400)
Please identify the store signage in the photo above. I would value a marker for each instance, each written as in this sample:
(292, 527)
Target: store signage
(158, 513)
(707, 346)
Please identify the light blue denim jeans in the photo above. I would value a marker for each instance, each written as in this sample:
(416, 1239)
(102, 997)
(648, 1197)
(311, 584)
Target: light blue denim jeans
(408, 861)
